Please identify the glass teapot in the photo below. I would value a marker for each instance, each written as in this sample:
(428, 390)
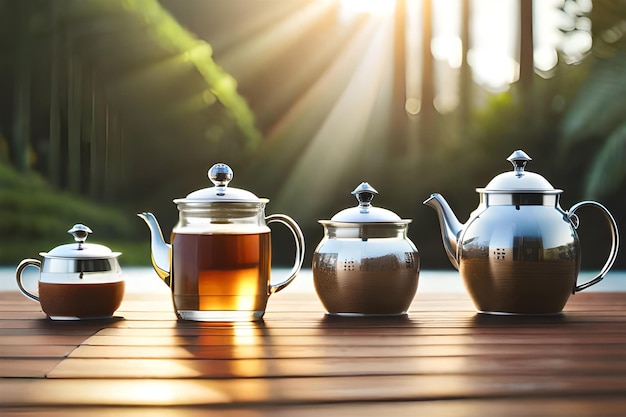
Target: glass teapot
(219, 260)
(519, 253)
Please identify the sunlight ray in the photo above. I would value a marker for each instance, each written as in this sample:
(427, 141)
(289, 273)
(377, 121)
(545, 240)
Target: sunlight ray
(341, 66)
(323, 48)
(340, 138)
(413, 57)
(264, 48)
(372, 7)
(248, 23)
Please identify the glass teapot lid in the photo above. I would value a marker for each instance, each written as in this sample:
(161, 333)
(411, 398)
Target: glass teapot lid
(220, 175)
(365, 212)
(519, 180)
(80, 249)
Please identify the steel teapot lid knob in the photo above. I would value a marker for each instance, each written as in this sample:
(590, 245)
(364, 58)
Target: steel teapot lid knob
(519, 159)
(519, 180)
(364, 194)
(71, 252)
(80, 233)
(220, 175)
(365, 212)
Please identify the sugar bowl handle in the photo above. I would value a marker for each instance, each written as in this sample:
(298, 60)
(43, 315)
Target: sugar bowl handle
(18, 276)
(299, 241)
(614, 240)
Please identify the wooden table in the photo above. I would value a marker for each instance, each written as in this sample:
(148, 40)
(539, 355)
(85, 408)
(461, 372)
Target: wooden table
(442, 359)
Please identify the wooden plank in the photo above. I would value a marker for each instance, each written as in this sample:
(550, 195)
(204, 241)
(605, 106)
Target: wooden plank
(27, 368)
(289, 352)
(35, 351)
(350, 340)
(42, 340)
(606, 406)
(344, 366)
(172, 329)
(276, 391)
(611, 406)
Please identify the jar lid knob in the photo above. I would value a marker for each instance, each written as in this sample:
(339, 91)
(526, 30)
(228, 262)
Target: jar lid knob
(80, 233)
(364, 194)
(519, 159)
(220, 175)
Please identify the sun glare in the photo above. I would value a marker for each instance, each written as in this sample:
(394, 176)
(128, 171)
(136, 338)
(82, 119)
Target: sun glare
(372, 7)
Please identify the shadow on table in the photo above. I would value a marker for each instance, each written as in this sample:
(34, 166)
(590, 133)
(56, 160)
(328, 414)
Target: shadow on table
(508, 320)
(334, 321)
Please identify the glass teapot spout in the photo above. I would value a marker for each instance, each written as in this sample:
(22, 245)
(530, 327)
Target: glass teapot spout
(451, 227)
(161, 251)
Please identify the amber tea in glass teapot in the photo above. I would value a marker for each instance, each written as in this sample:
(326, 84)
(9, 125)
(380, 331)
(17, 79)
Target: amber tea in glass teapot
(219, 260)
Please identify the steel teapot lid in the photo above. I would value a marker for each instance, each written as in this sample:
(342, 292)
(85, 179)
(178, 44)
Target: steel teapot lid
(80, 249)
(519, 180)
(365, 212)
(220, 175)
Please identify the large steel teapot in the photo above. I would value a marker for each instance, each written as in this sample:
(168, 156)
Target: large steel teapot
(519, 253)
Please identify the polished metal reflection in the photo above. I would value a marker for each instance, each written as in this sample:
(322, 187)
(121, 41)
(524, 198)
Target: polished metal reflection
(519, 252)
(77, 265)
(519, 260)
(366, 269)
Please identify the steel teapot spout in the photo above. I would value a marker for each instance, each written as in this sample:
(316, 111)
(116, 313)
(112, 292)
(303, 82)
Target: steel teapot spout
(451, 227)
(161, 251)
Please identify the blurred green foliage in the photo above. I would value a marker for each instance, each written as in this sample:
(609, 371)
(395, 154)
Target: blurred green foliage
(595, 120)
(36, 218)
(113, 88)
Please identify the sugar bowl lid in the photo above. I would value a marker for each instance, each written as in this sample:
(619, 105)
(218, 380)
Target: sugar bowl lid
(519, 180)
(80, 249)
(365, 212)
(220, 175)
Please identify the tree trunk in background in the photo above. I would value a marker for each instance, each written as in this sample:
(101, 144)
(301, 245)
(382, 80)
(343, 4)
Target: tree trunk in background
(427, 112)
(526, 61)
(399, 119)
(54, 148)
(98, 148)
(74, 116)
(465, 82)
(92, 138)
(113, 149)
(21, 92)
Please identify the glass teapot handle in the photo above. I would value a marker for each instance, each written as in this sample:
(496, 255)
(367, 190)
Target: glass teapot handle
(299, 240)
(614, 240)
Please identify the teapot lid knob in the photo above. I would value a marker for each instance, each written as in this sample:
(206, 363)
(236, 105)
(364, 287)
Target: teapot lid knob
(80, 233)
(220, 175)
(519, 159)
(365, 212)
(364, 194)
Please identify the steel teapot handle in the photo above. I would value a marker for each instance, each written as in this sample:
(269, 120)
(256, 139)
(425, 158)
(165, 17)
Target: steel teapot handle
(614, 240)
(18, 276)
(299, 240)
